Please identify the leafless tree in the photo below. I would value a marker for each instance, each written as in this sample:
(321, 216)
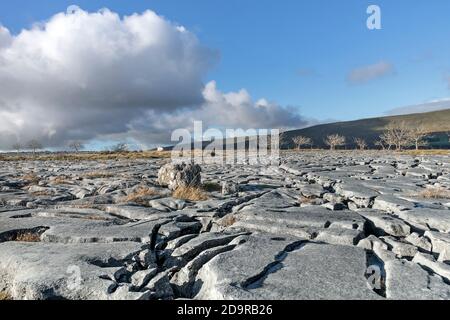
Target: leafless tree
(34, 145)
(120, 147)
(382, 143)
(76, 146)
(417, 134)
(397, 134)
(361, 143)
(302, 141)
(17, 146)
(334, 140)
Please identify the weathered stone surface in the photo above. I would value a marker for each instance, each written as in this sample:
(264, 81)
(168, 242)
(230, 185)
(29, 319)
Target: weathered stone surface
(383, 223)
(281, 268)
(307, 227)
(408, 281)
(179, 175)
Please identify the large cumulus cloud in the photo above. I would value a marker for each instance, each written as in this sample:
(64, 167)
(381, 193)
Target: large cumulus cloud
(231, 110)
(89, 75)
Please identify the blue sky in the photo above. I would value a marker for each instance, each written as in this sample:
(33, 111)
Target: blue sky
(300, 53)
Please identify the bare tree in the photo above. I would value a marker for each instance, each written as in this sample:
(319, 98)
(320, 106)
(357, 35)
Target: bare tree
(334, 140)
(397, 134)
(35, 145)
(381, 143)
(361, 143)
(417, 135)
(120, 147)
(76, 146)
(302, 141)
(17, 146)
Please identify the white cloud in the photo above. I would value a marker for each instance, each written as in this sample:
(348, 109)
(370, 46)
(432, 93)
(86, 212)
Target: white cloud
(433, 105)
(97, 76)
(83, 74)
(371, 72)
(221, 110)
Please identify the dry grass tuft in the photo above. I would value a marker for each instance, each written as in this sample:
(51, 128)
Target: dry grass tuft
(61, 180)
(28, 237)
(434, 193)
(228, 221)
(190, 193)
(139, 195)
(31, 178)
(97, 175)
(437, 152)
(4, 296)
(307, 200)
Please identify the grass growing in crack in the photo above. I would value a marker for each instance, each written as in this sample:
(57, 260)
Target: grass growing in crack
(98, 175)
(190, 193)
(31, 178)
(434, 193)
(60, 180)
(28, 237)
(4, 296)
(228, 221)
(140, 194)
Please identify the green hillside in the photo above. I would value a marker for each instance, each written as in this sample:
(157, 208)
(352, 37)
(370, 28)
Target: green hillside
(437, 124)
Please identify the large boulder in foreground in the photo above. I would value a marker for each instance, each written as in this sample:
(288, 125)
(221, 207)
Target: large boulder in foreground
(175, 175)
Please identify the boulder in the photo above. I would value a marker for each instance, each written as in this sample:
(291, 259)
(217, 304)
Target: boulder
(175, 175)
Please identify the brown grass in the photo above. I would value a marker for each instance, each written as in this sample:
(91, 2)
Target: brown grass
(190, 193)
(60, 180)
(434, 193)
(139, 195)
(307, 200)
(424, 152)
(28, 237)
(4, 296)
(98, 175)
(228, 221)
(31, 178)
(87, 156)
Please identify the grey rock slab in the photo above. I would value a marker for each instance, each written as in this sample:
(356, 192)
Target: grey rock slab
(440, 241)
(391, 203)
(267, 267)
(94, 231)
(430, 263)
(408, 281)
(420, 242)
(401, 249)
(137, 213)
(386, 224)
(36, 271)
(427, 219)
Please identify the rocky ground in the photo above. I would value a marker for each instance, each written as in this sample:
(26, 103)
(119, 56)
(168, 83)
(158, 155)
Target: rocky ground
(318, 226)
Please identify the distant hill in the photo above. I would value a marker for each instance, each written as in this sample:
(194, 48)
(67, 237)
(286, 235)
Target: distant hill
(436, 122)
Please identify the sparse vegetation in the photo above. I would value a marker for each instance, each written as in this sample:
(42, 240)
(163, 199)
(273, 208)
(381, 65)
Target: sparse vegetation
(34, 145)
(228, 221)
(300, 141)
(28, 237)
(31, 178)
(360, 143)
(190, 193)
(76, 146)
(88, 156)
(334, 140)
(5, 296)
(97, 175)
(140, 194)
(435, 193)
